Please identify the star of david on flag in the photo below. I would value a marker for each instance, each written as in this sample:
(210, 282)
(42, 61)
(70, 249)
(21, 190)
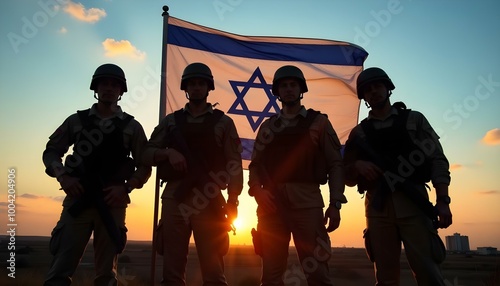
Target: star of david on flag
(243, 68)
(240, 107)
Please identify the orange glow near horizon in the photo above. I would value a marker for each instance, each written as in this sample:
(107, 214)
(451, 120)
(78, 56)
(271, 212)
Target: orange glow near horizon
(38, 212)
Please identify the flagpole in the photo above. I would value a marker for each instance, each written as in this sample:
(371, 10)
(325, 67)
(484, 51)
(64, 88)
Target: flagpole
(163, 111)
(163, 82)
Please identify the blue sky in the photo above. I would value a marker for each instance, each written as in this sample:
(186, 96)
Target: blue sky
(441, 55)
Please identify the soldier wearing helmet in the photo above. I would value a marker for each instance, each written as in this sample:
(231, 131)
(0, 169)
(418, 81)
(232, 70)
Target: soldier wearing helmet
(295, 152)
(374, 77)
(113, 75)
(198, 154)
(97, 177)
(391, 155)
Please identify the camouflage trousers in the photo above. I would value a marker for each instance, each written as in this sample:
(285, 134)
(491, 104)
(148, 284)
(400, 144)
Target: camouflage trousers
(383, 238)
(69, 240)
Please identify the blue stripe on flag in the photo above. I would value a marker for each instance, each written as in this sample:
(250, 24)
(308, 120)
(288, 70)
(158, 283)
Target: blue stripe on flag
(247, 145)
(347, 55)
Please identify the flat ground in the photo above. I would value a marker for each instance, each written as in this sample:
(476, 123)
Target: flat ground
(350, 266)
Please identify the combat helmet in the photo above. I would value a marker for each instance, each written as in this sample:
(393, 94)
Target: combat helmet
(289, 71)
(197, 70)
(108, 70)
(370, 75)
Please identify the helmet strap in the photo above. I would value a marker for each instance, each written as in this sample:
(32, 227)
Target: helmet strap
(198, 100)
(382, 103)
(106, 102)
(293, 102)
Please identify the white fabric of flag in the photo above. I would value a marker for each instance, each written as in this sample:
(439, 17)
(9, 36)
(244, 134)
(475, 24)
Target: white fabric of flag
(243, 68)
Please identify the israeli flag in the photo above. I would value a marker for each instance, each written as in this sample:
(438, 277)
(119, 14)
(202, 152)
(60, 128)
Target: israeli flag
(243, 68)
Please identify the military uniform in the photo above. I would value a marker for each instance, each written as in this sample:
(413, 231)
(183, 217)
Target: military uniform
(99, 162)
(392, 216)
(291, 158)
(198, 209)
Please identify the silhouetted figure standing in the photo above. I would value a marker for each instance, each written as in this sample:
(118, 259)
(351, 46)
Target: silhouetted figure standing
(295, 151)
(198, 153)
(391, 155)
(97, 178)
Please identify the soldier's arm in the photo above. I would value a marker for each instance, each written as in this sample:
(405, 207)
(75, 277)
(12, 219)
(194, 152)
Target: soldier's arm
(330, 145)
(143, 172)
(232, 151)
(155, 149)
(58, 144)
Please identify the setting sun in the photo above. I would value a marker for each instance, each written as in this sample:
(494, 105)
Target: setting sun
(237, 223)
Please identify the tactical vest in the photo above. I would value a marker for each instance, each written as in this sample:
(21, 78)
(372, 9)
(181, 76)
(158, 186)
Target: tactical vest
(291, 155)
(103, 161)
(100, 152)
(200, 139)
(394, 145)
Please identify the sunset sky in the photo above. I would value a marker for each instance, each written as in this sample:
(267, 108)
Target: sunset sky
(443, 57)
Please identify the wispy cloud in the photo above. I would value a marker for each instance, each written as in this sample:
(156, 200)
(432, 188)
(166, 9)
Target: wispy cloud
(492, 137)
(456, 167)
(29, 196)
(63, 30)
(6, 205)
(78, 11)
(36, 197)
(489, 192)
(115, 48)
(58, 199)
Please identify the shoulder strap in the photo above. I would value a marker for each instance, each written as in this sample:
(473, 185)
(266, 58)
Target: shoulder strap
(311, 115)
(84, 117)
(122, 123)
(86, 120)
(367, 127)
(211, 120)
(215, 117)
(180, 117)
(402, 117)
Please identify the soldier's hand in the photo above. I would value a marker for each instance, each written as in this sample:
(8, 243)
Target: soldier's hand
(332, 217)
(177, 160)
(116, 196)
(265, 200)
(444, 215)
(231, 213)
(368, 170)
(71, 185)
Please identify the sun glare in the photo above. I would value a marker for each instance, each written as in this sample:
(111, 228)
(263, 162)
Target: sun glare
(238, 223)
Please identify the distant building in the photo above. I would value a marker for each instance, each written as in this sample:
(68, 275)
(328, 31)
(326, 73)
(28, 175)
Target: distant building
(486, 251)
(457, 243)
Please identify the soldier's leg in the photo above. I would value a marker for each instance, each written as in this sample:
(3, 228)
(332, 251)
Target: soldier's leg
(275, 237)
(105, 254)
(416, 233)
(67, 244)
(313, 245)
(383, 239)
(212, 243)
(176, 235)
